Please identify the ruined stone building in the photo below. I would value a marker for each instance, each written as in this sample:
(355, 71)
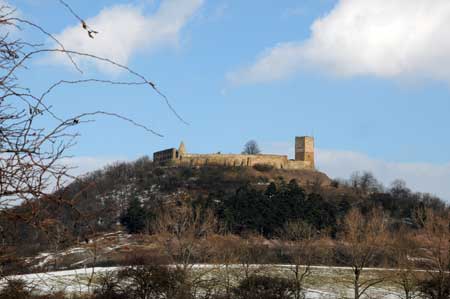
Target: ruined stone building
(304, 157)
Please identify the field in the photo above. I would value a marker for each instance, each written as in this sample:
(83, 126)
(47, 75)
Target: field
(324, 282)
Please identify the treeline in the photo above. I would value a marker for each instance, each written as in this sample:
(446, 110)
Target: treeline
(242, 200)
(269, 210)
(265, 208)
(238, 268)
(228, 216)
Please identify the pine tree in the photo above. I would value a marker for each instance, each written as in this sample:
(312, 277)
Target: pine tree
(134, 217)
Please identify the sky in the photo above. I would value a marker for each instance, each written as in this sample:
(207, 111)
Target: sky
(369, 79)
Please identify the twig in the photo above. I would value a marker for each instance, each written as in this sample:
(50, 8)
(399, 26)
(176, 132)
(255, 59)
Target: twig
(89, 30)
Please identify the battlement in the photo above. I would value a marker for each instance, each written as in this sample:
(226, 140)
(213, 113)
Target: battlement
(304, 157)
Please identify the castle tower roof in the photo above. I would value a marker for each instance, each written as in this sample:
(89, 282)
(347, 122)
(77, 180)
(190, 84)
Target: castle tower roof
(182, 149)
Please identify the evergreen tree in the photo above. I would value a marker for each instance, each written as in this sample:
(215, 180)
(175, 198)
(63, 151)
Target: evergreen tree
(135, 216)
(271, 190)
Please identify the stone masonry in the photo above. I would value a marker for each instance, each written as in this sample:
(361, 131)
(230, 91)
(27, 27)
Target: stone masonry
(304, 157)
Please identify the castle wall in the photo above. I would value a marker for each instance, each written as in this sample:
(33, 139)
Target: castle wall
(165, 155)
(277, 161)
(297, 165)
(304, 157)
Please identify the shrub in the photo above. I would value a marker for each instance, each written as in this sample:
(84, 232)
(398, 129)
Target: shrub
(18, 289)
(335, 183)
(15, 289)
(109, 287)
(263, 167)
(151, 281)
(267, 287)
(435, 288)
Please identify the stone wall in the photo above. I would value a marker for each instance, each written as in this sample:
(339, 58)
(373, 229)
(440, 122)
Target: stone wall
(292, 164)
(165, 155)
(304, 157)
(304, 149)
(277, 161)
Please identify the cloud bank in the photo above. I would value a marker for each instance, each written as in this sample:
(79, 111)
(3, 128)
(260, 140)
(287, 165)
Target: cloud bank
(383, 38)
(423, 177)
(84, 164)
(126, 29)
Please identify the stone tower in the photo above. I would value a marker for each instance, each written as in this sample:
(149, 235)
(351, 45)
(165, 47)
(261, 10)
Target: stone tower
(181, 149)
(304, 149)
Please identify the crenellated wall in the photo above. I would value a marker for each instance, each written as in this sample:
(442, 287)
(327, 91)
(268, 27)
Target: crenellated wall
(277, 161)
(304, 157)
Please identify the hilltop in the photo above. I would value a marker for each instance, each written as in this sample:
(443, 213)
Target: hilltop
(259, 220)
(138, 196)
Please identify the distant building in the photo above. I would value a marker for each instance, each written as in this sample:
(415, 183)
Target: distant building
(304, 157)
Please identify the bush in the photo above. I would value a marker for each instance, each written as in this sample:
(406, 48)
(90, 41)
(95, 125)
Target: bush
(263, 167)
(15, 289)
(18, 289)
(335, 183)
(435, 288)
(109, 288)
(267, 287)
(151, 281)
(143, 282)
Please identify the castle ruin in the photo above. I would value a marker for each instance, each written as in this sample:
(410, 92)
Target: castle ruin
(304, 157)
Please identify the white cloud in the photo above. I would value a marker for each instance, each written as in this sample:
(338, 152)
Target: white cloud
(79, 166)
(422, 177)
(126, 29)
(84, 164)
(7, 4)
(274, 64)
(385, 38)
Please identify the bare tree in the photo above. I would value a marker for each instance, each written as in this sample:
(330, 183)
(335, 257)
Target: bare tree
(299, 237)
(399, 189)
(251, 253)
(183, 226)
(251, 148)
(34, 139)
(363, 237)
(183, 230)
(365, 183)
(226, 254)
(435, 254)
(405, 251)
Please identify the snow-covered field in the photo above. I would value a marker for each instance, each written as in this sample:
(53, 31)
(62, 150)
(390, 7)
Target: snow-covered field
(71, 281)
(324, 282)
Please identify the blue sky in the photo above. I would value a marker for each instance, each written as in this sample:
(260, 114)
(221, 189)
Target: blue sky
(369, 79)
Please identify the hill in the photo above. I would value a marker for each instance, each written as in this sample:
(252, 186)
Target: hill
(143, 198)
